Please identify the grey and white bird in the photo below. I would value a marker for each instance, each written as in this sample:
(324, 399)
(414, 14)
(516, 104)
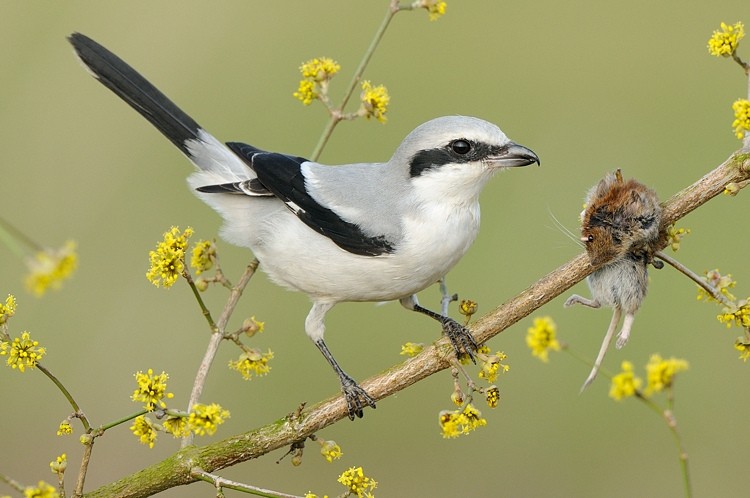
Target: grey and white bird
(355, 232)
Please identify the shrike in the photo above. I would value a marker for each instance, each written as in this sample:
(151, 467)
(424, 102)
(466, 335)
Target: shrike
(355, 232)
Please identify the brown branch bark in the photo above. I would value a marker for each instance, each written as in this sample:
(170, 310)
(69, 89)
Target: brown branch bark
(176, 470)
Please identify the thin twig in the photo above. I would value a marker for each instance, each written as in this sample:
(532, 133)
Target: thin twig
(221, 482)
(713, 291)
(216, 337)
(337, 115)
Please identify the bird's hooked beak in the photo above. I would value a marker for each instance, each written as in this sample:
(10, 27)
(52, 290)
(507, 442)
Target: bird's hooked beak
(513, 155)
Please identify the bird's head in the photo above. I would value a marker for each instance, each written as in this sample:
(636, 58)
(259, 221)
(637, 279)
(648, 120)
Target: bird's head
(457, 154)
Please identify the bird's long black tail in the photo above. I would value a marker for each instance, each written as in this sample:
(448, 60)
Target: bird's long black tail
(129, 85)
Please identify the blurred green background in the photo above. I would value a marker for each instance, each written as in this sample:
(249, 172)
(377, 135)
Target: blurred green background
(589, 86)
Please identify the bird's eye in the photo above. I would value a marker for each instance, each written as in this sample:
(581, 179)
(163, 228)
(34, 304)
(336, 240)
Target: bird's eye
(460, 146)
(590, 238)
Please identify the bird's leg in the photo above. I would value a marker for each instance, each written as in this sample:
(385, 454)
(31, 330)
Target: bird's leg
(461, 338)
(616, 312)
(576, 299)
(356, 397)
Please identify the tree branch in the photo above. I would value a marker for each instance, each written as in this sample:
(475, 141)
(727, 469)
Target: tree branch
(176, 470)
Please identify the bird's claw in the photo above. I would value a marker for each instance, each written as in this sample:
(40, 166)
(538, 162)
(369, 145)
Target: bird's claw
(356, 398)
(461, 338)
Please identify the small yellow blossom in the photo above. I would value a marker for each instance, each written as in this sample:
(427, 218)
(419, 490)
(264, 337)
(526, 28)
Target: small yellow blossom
(319, 69)
(251, 326)
(741, 124)
(41, 490)
(732, 189)
(723, 43)
(357, 482)
(64, 428)
(492, 395)
(306, 92)
(721, 283)
(467, 307)
(22, 352)
(252, 363)
(474, 417)
(739, 314)
(675, 235)
(168, 260)
(491, 365)
(625, 383)
(144, 429)
(152, 389)
(541, 337)
(460, 422)
(436, 8)
(49, 267)
(8, 309)
(375, 100)
(743, 346)
(451, 423)
(203, 256)
(205, 419)
(177, 426)
(660, 372)
(330, 450)
(59, 465)
(411, 349)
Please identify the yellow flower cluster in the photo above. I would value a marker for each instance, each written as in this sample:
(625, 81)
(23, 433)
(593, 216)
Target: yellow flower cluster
(252, 363)
(152, 389)
(460, 422)
(743, 346)
(741, 123)
(357, 482)
(411, 349)
(541, 337)
(64, 429)
(59, 465)
(22, 352)
(491, 365)
(8, 309)
(205, 419)
(316, 73)
(660, 372)
(723, 43)
(41, 490)
(675, 235)
(375, 100)
(144, 429)
(625, 383)
(177, 426)
(203, 256)
(737, 314)
(436, 8)
(49, 267)
(721, 283)
(168, 260)
(330, 450)
(660, 375)
(492, 396)
(202, 420)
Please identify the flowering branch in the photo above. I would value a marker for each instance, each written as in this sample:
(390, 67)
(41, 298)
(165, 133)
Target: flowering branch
(176, 470)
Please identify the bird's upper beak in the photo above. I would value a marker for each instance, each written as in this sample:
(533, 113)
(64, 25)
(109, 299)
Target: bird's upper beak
(513, 155)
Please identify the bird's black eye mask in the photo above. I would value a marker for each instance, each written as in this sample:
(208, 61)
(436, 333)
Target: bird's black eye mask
(456, 151)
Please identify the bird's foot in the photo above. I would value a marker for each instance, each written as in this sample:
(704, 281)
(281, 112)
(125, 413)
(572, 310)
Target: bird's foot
(461, 338)
(356, 397)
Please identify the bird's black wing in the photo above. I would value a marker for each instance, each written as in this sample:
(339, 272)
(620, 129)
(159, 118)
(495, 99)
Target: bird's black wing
(282, 176)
